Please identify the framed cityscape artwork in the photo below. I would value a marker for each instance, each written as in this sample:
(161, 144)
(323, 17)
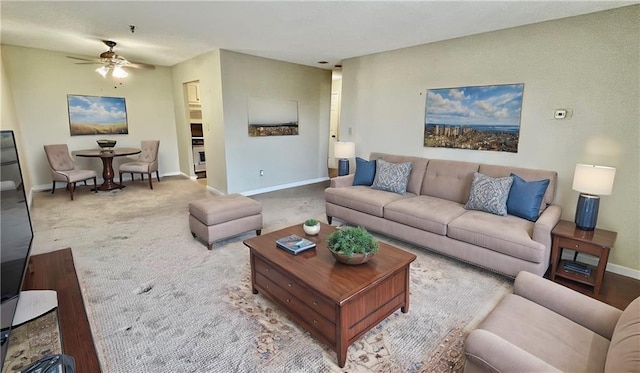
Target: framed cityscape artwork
(96, 115)
(477, 118)
(272, 117)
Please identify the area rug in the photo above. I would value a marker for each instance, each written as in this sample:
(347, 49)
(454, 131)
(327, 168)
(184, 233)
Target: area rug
(31, 341)
(158, 300)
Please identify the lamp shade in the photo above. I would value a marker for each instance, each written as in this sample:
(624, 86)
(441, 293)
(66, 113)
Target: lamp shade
(343, 150)
(591, 179)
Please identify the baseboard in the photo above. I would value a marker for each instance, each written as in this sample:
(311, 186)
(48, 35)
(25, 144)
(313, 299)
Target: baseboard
(284, 186)
(613, 268)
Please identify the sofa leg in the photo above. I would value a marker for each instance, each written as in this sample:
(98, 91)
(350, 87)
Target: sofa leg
(95, 184)
(329, 219)
(53, 188)
(258, 232)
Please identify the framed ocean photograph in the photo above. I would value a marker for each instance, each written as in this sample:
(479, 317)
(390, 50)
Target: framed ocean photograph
(96, 115)
(477, 118)
(272, 117)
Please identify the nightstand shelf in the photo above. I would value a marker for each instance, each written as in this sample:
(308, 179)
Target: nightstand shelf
(597, 243)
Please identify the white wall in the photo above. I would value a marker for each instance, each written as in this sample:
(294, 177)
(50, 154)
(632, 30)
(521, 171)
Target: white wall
(40, 81)
(589, 64)
(284, 159)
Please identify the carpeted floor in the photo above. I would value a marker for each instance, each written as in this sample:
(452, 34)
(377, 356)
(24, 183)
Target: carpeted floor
(158, 300)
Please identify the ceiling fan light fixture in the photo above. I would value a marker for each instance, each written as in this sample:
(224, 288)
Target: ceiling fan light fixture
(102, 70)
(118, 72)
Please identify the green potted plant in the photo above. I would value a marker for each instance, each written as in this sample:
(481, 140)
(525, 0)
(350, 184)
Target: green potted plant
(311, 227)
(352, 245)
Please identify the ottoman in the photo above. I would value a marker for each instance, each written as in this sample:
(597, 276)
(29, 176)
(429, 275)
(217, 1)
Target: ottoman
(220, 217)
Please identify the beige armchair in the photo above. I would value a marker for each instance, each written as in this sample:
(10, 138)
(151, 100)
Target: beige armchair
(147, 162)
(546, 327)
(63, 168)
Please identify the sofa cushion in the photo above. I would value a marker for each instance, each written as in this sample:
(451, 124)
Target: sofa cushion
(489, 194)
(391, 177)
(362, 198)
(525, 197)
(547, 335)
(624, 350)
(423, 212)
(365, 172)
(450, 180)
(509, 234)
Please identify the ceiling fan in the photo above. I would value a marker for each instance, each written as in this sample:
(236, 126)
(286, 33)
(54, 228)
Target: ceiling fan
(113, 62)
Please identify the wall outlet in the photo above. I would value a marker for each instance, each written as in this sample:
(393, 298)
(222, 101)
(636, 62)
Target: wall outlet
(261, 172)
(560, 114)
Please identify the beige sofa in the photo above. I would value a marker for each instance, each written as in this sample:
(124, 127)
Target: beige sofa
(432, 215)
(546, 327)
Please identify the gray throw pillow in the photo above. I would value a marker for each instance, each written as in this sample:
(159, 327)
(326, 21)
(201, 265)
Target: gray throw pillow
(489, 194)
(392, 177)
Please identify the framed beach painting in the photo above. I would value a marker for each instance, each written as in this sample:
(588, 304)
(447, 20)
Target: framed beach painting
(477, 118)
(272, 117)
(96, 115)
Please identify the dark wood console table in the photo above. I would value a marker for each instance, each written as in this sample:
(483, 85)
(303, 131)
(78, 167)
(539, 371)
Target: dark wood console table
(56, 271)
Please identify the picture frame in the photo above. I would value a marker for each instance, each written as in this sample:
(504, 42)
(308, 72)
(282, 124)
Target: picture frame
(474, 117)
(272, 117)
(97, 115)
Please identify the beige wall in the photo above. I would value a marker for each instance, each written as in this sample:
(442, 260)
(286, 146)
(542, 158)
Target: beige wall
(9, 121)
(284, 159)
(40, 80)
(588, 64)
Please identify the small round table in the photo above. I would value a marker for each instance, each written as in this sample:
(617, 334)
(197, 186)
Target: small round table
(107, 163)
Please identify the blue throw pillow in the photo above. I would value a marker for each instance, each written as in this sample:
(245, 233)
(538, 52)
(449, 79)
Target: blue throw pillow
(525, 197)
(489, 194)
(365, 172)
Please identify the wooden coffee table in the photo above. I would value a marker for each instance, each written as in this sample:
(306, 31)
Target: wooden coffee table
(334, 302)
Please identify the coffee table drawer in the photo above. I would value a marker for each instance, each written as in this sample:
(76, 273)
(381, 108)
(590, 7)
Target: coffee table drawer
(311, 298)
(291, 303)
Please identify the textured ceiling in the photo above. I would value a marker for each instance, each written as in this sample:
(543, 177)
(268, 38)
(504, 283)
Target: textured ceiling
(304, 32)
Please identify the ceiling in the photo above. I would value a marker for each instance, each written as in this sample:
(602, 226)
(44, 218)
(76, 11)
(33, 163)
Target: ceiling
(303, 32)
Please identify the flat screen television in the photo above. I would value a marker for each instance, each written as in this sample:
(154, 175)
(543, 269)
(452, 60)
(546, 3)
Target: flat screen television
(16, 234)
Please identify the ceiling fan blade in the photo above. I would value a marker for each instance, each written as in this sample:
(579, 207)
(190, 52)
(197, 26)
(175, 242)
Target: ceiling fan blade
(88, 63)
(81, 59)
(140, 65)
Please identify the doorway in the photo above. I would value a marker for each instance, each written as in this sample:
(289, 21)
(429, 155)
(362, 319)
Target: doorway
(194, 107)
(334, 120)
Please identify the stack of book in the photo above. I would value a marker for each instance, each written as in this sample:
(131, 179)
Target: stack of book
(578, 268)
(295, 244)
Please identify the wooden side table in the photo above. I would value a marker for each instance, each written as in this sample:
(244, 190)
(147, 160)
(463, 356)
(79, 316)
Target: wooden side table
(597, 243)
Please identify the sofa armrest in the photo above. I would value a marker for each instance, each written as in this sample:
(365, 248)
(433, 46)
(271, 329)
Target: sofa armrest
(594, 315)
(342, 181)
(545, 223)
(491, 353)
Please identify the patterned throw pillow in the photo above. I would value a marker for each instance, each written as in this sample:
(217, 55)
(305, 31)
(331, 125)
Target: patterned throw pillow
(392, 177)
(489, 194)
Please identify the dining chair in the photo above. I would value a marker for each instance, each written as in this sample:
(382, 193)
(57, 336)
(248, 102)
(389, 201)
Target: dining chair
(147, 162)
(63, 168)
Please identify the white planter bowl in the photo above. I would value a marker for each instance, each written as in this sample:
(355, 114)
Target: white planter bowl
(311, 230)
